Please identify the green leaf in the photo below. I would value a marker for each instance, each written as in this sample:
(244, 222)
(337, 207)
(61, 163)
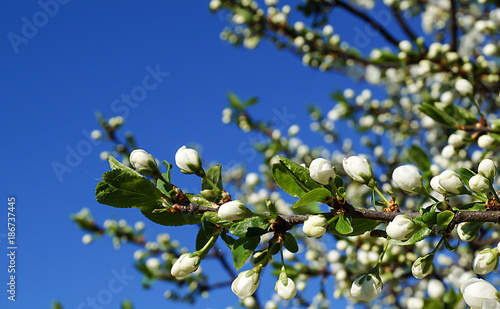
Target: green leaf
(460, 114)
(242, 249)
(122, 189)
(359, 226)
(291, 243)
(321, 195)
(293, 178)
(272, 208)
(438, 115)
(168, 218)
(251, 101)
(418, 156)
(429, 214)
(466, 174)
(448, 245)
(205, 233)
(127, 304)
(228, 239)
(339, 182)
(214, 175)
(250, 227)
(343, 225)
(117, 165)
(234, 101)
(200, 200)
(213, 217)
(433, 304)
(416, 237)
(470, 206)
(444, 218)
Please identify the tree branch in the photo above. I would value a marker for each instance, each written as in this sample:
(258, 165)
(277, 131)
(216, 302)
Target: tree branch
(370, 21)
(404, 25)
(454, 26)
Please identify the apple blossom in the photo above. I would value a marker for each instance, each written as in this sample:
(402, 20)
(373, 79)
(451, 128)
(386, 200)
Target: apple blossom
(400, 228)
(485, 261)
(143, 162)
(233, 211)
(468, 231)
(479, 184)
(456, 140)
(321, 171)
(408, 179)
(486, 142)
(246, 283)
(185, 264)
(476, 291)
(447, 182)
(423, 266)
(285, 287)
(464, 87)
(358, 169)
(488, 169)
(188, 160)
(366, 287)
(315, 226)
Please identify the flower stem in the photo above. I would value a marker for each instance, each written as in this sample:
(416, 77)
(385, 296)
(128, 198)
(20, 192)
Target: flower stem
(381, 195)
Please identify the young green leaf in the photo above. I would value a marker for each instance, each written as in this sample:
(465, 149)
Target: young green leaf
(359, 227)
(215, 176)
(291, 243)
(416, 237)
(343, 225)
(321, 195)
(438, 115)
(242, 249)
(466, 174)
(293, 178)
(444, 219)
(249, 227)
(418, 156)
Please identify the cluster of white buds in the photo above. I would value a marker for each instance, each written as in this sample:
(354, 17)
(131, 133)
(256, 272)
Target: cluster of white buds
(448, 182)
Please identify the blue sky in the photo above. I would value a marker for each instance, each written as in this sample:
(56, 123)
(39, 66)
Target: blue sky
(79, 61)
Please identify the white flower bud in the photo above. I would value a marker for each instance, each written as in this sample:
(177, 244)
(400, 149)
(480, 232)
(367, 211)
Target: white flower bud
(251, 179)
(358, 169)
(468, 231)
(486, 142)
(185, 264)
(405, 45)
(488, 169)
(408, 179)
(188, 160)
(215, 5)
(153, 264)
(400, 228)
(479, 184)
(485, 261)
(143, 162)
(315, 226)
(327, 30)
(436, 289)
(422, 267)
(87, 239)
(456, 140)
(366, 287)
(490, 49)
(476, 291)
(286, 292)
(234, 211)
(415, 303)
(448, 152)
(246, 283)
(450, 182)
(96, 134)
(321, 171)
(464, 87)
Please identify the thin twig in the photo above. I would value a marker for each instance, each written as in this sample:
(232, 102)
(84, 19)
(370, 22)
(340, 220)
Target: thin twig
(454, 26)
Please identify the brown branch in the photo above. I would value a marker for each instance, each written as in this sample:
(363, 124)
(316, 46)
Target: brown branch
(404, 25)
(358, 213)
(370, 21)
(454, 26)
(472, 128)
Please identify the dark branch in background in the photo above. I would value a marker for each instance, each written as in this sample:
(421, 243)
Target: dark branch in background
(404, 25)
(454, 26)
(471, 128)
(370, 21)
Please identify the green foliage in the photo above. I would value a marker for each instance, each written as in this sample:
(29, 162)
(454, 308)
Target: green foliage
(214, 175)
(416, 237)
(438, 115)
(250, 227)
(359, 227)
(242, 249)
(321, 195)
(290, 243)
(293, 178)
